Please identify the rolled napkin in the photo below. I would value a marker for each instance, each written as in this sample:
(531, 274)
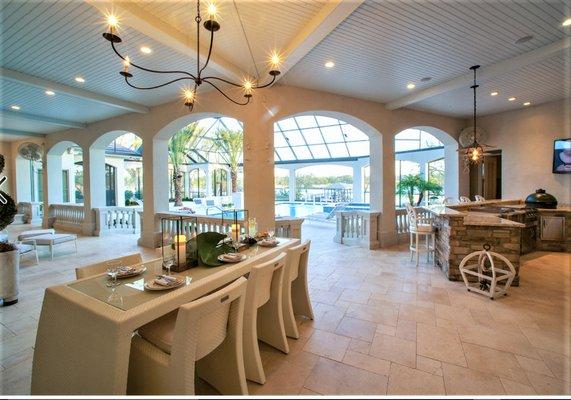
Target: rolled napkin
(127, 269)
(270, 242)
(232, 256)
(165, 280)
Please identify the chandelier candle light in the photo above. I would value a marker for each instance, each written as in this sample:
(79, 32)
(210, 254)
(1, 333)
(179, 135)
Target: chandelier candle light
(189, 94)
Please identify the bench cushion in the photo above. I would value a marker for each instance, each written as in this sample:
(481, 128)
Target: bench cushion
(54, 238)
(35, 232)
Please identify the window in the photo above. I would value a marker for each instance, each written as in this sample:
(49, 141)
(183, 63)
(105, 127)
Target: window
(314, 137)
(415, 139)
(65, 185)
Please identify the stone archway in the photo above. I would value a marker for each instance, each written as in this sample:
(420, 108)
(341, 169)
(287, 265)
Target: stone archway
(56, 163)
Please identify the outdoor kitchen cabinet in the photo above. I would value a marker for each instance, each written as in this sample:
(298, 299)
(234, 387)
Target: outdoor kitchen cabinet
(552, 228)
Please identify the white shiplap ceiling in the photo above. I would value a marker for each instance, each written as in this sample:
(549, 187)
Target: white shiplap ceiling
(378, 49)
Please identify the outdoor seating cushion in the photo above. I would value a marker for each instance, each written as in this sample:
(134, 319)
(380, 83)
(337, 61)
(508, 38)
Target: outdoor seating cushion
(160, 332)
(422, 228)
(53, 238)
(25, 248)
(35, 232)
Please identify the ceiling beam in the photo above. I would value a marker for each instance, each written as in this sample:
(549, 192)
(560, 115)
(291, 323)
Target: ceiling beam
(322, 24)
(129, 14)
(484, 74)
(46, 120)
(19, 133)
(19, 77)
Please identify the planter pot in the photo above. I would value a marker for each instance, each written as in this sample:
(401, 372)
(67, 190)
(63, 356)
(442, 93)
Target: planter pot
(9, 277)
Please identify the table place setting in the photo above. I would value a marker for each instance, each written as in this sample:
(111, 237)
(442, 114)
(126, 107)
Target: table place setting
(269, 242)
(165, 282)
(232, 257)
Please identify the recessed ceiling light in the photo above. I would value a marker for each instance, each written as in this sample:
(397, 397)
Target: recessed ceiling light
(511, 99)
(527, 103)
(50, 92)
(79, 79)
(426, 79)
(524, 39)
(567, 22)
(15, 107)
(494, 94)
(146, 50)
(329, 64)
(410, 86)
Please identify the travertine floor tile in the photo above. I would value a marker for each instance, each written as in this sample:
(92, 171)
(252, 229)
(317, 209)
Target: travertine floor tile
(499, 363)
(440, 344)
(394, 349)
(511, 341)
(516, 389)
(409, 381)
(366, 362)
(333, 378)
(357, 328)
(429, 365)
(548, 386)
(327, 344)
(464, 381)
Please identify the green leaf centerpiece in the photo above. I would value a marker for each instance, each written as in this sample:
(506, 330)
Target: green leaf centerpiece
(210, 246)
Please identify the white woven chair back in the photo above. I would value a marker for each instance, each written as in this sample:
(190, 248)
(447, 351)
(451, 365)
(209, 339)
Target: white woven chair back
(297, 258)
(479, 198)
(448, 200)
(464, 199)
(101, 267)
(202, 325)
(260, 281)
(412, 216)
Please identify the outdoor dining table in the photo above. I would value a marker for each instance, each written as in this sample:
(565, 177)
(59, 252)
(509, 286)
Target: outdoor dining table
(85, 328)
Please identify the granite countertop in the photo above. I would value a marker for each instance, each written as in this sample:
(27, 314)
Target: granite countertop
(483, 219)
(440, 209)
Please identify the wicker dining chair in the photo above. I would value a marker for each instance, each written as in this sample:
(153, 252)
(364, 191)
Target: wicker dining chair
(101, 267)
(296, 299)
(263, 317)
(204, 335)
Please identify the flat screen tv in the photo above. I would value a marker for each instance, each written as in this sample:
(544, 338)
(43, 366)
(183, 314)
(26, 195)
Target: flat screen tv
(562, 156)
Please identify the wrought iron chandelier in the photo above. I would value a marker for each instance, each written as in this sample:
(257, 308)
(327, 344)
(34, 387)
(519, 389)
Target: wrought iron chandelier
(474, 153)
(189, 94)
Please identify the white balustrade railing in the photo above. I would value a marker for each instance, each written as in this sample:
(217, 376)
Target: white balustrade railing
(68, 217)
(358, 227)
(32, 211)
(285, 227)
(115, 219)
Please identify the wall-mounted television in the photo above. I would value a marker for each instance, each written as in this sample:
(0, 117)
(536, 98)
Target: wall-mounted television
(562, 156)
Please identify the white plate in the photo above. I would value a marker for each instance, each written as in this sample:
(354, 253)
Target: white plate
(151, 285)
(136, 272)
(226, 260)
(265, 243)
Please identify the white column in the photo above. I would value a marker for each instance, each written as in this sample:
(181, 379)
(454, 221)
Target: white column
(208, 181)
(358, 184)
(452, 171)
(96, 179)
(54, 189)
(292, 188)
(229, 181)
(23, 180)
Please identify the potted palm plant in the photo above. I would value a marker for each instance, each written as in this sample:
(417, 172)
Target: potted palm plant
(230, 143)
(9, 254)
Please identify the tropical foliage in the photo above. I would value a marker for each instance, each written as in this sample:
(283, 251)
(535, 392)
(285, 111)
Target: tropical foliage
(9, 210)
(230, 143)
(179, 145)
(411, 185)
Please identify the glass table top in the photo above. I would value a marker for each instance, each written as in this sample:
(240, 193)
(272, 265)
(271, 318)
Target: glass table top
(130, 291)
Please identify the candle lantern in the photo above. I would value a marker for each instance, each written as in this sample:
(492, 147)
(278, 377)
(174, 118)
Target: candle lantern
(238, 225)
(179, 246)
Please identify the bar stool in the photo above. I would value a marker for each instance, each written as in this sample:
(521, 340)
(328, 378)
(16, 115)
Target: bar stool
(464, 199)
(263, 317)
(479, 198)
(205, 334)
(296, 294)
(418, 227)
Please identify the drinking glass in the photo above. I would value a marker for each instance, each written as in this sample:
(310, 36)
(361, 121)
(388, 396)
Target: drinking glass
(271, 233)
(168, 262)
(113, 268)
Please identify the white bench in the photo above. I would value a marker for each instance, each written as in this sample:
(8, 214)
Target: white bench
(53, 239)
(35, 232)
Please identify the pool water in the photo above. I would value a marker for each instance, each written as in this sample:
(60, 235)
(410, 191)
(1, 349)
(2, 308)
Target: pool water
(303, 210)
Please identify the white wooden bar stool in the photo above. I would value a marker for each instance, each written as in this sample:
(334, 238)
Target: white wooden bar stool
(206, 332)
(418, 227)
(479, 198)
(464, 199)
(296, 294)
(263, 317)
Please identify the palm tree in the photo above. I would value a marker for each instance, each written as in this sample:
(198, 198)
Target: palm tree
(409, 185)
(179, 145)
(230, 142)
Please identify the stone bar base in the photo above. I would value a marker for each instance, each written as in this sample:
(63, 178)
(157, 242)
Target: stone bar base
(454, 241)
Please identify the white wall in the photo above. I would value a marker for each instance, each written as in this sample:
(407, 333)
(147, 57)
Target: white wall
(6, 151)
(526, 139)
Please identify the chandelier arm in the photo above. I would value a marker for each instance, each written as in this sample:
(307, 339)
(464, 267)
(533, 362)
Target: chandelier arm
(221, 79)
(150, 70)
(209, 53)
(267, 84)
(157, 86)
(228, 97)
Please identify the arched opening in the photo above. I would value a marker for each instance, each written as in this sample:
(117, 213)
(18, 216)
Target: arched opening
(426, 166)
(119, 181)
(65, 173)
(204, 155)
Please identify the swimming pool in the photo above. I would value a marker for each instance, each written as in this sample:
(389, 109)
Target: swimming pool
(305, 209)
